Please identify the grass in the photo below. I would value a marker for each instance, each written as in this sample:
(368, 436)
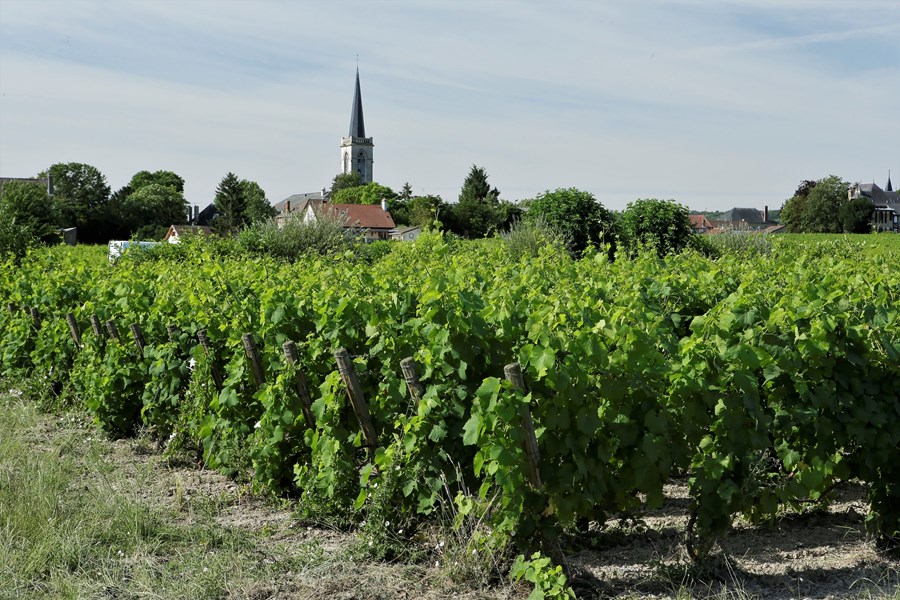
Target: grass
(71, 526)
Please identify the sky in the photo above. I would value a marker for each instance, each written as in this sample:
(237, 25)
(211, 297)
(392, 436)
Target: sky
(711, 104)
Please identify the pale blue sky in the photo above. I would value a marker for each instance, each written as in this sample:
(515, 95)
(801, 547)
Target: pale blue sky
(713, 104)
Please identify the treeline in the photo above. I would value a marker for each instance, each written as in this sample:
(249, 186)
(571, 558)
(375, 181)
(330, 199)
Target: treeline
(78, 195)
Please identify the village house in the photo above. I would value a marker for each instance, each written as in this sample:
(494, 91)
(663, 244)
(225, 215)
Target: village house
(885, 204)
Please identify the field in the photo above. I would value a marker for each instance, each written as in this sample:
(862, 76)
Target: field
(688, 403)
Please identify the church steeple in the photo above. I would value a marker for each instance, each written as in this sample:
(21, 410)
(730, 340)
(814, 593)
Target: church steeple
(356, 149)
(357, 125)
(889, 188)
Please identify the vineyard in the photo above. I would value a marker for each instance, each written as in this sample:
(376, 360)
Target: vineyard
(539, 394)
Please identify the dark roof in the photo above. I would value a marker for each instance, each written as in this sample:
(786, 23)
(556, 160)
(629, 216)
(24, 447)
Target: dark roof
(207, 215)
(298, 201)
(357, 126)
(878, 196)
(746, 215)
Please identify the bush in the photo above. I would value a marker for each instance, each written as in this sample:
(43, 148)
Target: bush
(662, 225)
(296, 238)
(526, 238)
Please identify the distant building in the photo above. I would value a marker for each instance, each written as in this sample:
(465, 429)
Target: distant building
(406, 234)
(744, 219)
(885, 204)
(700, 224)
(177, 232)
(373, 221)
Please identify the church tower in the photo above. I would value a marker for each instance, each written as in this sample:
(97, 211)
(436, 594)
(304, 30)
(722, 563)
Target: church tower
(357, 149)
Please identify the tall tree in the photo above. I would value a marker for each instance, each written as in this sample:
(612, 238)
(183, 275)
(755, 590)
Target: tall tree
(406, 192)
(153, 208)
(165, 178)
(478, 212)
(81, 193)
(258, 206)
(575, 213)
(231, 205)
(476, 187)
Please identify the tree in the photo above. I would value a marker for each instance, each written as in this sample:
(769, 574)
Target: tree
(476, 187)
(153, 208)
(343, 181)
(478, 212)
(231, 205)
(406, 192)
(575, 213)
(816, 208)
(419, 211)
(663, 225)
(258, 207)
(371, 193)
(165, 178)
(81, 193)
(856, 215)
(27, 207)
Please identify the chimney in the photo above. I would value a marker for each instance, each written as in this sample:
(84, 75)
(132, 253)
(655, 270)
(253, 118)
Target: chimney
(384, 204)
(766, 214)
(287, 207)
(196, 219)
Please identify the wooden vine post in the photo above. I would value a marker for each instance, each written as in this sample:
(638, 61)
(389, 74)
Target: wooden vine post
(253, 356)
(357, 400)
(207, 349)
(138, 338)
(35, 317)
(513, 373)
(97, 326)
(12, 309)
(171, 331)
(73, 329)
(415, 387)
(290, 355)
(112, 330)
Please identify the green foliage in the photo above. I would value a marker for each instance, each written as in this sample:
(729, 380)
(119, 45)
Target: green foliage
(856, 215)
(370, 193)
(81, 194)
(258, 206)
(575, 213)
(343, 181)
(418, 210)
(529, 238)
(26, 206)
(549, 580)
(295, 238)
(152, 209)
(662, 225)
(816, 209)
(164, 178)
(476, 188)
(231, 204)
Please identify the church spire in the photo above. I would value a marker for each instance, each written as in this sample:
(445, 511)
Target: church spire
(357, 125)
(889, 188)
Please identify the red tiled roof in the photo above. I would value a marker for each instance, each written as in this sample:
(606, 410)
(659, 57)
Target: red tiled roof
(698, 221)
(368, 216)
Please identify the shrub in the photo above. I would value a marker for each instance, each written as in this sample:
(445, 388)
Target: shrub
(662, 225)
